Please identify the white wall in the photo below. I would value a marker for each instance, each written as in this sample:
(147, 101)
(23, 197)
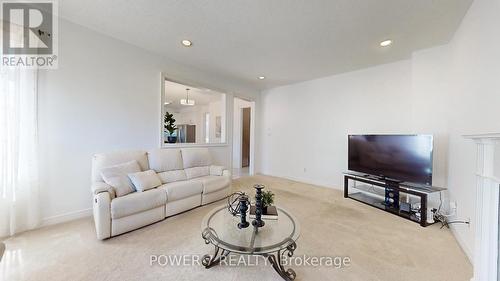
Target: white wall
(461, 80)
(105, 96)
(306, 125)
(448, 91)
(474, 101)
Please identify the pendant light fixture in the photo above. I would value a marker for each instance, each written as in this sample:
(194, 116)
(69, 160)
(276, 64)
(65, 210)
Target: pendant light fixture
(187, 101)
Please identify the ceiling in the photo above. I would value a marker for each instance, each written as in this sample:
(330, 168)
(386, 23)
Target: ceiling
(286, 41)
(174, 92)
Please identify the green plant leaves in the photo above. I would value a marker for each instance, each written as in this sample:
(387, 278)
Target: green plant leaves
(169, 123)
(267, 198)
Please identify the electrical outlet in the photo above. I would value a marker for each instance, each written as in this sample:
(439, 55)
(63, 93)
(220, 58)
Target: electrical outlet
(305, 170)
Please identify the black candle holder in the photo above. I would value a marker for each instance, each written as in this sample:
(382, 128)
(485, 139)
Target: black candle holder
(244, 201)
(258, 222)
(237, 205)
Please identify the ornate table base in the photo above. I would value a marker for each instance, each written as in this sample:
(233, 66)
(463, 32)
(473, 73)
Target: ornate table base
(209, 261)
(276, 260)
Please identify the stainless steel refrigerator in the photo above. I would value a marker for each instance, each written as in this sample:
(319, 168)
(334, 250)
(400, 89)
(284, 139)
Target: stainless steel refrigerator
(186, 133)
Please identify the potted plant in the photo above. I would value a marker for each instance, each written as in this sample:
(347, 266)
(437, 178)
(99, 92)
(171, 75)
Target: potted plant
(169, 125)
(267, 200)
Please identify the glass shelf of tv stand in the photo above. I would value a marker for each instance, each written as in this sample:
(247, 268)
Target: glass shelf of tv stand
(403, 185)
(371, 191)
(375, 196)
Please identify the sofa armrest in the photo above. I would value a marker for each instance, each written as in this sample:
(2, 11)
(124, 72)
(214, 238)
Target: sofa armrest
(2, 249)
(99, 187)
(102, 215)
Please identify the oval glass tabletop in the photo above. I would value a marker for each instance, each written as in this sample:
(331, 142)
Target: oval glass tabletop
(220, 228)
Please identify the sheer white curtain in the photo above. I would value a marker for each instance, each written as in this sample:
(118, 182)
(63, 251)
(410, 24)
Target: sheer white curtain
(19, 190)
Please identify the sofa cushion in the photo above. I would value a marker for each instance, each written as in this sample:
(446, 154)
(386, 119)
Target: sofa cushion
(181, 189)
(195, 157)
(197, 172)
(172, 176)
(137, 202)
(117, 177)
(216, 170)
(168, 159)
(214, 183)
(145, 180)
(103, 160)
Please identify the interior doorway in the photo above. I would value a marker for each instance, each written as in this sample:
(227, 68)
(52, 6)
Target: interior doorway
(243, 133)
(245, 136)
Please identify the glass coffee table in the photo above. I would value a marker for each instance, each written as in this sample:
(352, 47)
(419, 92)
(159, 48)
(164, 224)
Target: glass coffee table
(274, 240)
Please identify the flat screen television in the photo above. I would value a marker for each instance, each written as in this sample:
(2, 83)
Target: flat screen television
(405, 158)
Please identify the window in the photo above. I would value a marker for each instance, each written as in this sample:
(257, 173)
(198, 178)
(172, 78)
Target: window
(18, 151)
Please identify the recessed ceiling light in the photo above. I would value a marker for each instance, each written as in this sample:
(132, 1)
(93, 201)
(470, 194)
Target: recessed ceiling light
(262, 77)
(186, 43)
(386, 43)
(166, 103)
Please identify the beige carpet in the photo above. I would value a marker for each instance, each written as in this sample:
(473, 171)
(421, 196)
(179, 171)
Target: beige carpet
(381, 246)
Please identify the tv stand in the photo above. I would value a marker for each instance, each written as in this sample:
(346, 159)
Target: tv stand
(407, 201)
(391, 183)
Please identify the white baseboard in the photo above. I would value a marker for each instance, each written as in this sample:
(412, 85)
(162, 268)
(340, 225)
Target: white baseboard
(66, 217)
(306, 181)
(462, 244)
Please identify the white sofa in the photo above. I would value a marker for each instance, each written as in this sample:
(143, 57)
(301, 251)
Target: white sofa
(188, 180)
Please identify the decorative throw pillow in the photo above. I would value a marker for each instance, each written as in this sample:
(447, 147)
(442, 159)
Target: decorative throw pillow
(216, 170)
(172, 176)
(117, 177)
(145, 180)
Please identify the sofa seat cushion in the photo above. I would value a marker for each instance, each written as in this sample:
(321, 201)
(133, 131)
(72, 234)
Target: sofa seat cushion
(181, 189)
(137, 202)
(196, 172)
(214, 183)
(172, 176)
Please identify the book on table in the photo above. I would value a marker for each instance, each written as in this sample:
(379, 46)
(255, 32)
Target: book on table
(270, 214)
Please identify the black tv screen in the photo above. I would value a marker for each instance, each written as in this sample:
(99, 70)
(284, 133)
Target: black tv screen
(406, 158)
